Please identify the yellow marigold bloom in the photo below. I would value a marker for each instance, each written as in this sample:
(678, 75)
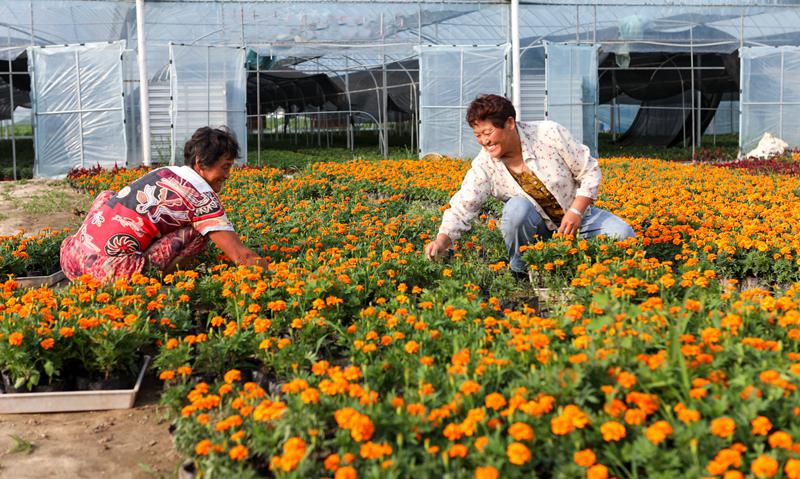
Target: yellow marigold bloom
(521, 431)
(658, 432)
(723, 427)
(598, 471)
(487, 472)
(518, 453)
(584, 458)
(764, 466)
(612, 431)
(761, 426)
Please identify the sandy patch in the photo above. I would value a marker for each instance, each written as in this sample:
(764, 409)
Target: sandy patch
(32, 205)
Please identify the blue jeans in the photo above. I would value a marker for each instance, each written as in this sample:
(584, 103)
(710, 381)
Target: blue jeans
(521, 222)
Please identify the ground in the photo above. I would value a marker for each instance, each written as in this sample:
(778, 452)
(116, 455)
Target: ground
(128, 443)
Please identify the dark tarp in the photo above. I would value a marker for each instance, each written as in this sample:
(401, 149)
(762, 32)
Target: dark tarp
(22, 86)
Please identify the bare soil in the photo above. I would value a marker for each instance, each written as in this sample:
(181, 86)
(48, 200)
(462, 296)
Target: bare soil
(128, 443)
(33, 205)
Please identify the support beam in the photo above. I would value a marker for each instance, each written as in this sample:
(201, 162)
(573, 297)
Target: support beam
(144, 93)
(516, 83)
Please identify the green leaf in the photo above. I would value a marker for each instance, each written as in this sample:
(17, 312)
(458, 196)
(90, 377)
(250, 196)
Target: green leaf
(49, 368)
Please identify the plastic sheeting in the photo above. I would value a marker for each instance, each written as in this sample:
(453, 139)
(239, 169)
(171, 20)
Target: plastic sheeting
(77, 107)
(450, 78)
(209, 88)
(571, 72)
(770, 99)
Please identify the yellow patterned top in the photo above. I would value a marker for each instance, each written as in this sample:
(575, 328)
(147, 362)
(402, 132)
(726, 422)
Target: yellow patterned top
(536, 189)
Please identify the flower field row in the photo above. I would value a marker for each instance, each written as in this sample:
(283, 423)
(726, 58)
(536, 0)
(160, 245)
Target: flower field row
(353, 356)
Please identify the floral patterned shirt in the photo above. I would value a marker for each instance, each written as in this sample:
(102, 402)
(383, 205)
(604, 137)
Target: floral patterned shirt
(160, 202)
(565, 166)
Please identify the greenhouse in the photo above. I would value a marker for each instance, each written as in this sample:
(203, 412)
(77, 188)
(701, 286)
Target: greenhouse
(648, 72)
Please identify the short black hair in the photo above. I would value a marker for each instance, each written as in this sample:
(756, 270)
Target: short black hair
(494, 108)
(207, 145)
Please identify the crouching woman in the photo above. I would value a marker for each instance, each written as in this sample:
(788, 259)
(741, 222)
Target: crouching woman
(163, 219)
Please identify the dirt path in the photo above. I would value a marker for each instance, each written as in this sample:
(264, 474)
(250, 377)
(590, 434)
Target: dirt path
(129, 443)
(32, 205)
(126, 443)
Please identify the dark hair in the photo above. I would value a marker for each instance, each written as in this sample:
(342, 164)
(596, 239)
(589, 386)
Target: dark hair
(493, 108)
(207, 145)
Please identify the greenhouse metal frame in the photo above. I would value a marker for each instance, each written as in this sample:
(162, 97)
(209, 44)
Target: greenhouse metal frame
(378, 42)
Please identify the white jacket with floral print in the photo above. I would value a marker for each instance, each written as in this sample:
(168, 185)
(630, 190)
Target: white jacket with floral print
(564, 165)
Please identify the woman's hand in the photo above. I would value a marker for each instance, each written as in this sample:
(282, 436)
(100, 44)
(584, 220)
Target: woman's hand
(437, 246)
(570, 223)
(232, 246)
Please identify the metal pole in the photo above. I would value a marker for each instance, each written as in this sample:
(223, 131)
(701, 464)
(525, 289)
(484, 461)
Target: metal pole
(691, 66)
(258, 108)
(144, 93)
(699, 94)
(516, 76)
(80, 105)
(780, 106)
(613, 105)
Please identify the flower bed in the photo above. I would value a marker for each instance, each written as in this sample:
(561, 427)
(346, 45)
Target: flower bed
(353, 356)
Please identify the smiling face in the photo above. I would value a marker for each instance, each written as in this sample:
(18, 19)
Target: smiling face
(498, 142)
(216, 174)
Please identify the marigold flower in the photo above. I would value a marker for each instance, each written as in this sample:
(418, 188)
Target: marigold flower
(780, 439)
(612, 431)
(203, 447)
(346, 472)
(238, 452)
(792, 469)
(723, 427)
(658, 432)
(761, 426)
(521, 431)
(47, 343)
(584, 458)
(518, 453)
(764, 466)
(15, 339)
(598, 471)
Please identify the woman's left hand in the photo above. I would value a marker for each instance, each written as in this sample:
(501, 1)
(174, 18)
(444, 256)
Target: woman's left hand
(570, 223)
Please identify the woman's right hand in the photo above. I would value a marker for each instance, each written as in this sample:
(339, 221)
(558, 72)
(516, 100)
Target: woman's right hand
(437, 246)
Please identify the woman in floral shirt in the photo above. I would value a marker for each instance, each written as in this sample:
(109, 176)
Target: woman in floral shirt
(162, 219)
(547, 180)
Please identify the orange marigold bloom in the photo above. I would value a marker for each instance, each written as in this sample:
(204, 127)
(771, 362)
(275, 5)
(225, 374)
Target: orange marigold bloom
(764, 466)
(469, 387)
(481, 442)
(458, 450)
(232, 376)
(598, 471)
(347, 472)
(792, 469)
(658, 432)
(66, 332)
(626, 380)
(780, 439)
(238, 452)
(495, 401)
(15, 339)
(761, 426)
(613, 431)
(486, 472)
(521, 431)
(332, 462)
(584, 458)
(203, 447)
(518, 453)
(723, 427)
(47, 343)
